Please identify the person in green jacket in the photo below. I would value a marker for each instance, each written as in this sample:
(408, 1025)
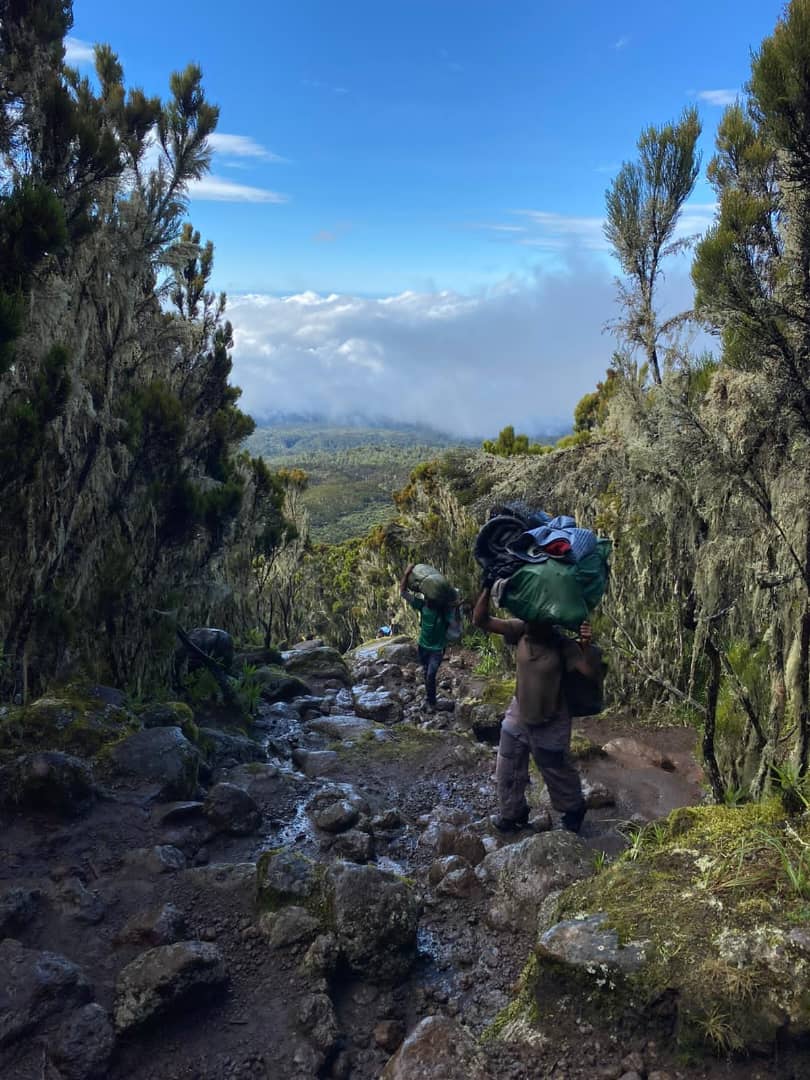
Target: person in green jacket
(433, 623)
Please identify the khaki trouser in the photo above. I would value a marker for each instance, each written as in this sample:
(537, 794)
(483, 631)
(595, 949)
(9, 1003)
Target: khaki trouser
(512, 773)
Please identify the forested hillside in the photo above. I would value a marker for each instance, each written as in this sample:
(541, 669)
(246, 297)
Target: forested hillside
(351, 471)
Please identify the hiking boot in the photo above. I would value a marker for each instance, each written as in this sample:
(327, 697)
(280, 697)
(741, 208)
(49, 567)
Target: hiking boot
(510, 825)
(572, 819)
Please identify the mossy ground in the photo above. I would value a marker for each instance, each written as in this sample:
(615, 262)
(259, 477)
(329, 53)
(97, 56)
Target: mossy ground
(499, 692)
(404, 741)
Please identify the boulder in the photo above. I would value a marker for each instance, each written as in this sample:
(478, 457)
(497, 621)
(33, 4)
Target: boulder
(230, 809)
(388, 1034)
(170, 714)
(336, 817)
(525, 873)
(236, 881)
(317, 1021)
(588, 944)
(279, 685)
(451, 840)
(376, 917)
(459, 883)
(437, 1047)
(18, 906)
(164, 979)
(162, 925)
(441, 867)
(354, 846)
(257, 658)
(318, 664)
(84, 1044)
(34, 986)
(400, 652)
(49, 780)
(380, 706)
(163, 756)
(636, 753)
(225, 749)
(287, 877)
(77, 722)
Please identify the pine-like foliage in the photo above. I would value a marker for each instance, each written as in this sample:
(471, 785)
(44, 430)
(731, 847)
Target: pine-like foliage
(119, 479)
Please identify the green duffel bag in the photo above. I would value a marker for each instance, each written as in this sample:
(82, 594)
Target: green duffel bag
(559, 592)
(432, 584)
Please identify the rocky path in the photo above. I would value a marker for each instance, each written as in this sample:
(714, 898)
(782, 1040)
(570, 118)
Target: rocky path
(317, 891)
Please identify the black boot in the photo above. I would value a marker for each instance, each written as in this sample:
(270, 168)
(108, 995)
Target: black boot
(572, 819)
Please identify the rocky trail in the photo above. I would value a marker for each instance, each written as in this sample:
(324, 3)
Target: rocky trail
(296, 900)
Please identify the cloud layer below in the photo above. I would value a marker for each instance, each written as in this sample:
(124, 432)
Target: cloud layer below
(521, 353)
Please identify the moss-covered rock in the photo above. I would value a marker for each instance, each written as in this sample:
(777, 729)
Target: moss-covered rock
(170, 714)
(715, 900)
(320, 664)
(583, 748)
(162, 756)
(277, 684)
(71, 721)
(499, 692)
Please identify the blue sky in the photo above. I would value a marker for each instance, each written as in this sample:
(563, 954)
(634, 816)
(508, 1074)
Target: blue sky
(433, 146)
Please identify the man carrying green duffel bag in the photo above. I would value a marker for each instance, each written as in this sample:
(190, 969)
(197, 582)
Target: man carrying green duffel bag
(537, 723)
(435, 619)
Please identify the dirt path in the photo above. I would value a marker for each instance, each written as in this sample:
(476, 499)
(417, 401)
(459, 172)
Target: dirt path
(95, 874)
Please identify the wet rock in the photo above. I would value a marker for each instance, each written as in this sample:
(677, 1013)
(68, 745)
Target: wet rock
(317, 1020)
(231, 810)
(460, 883)
(164, 979)
(388, 1034)
(380, 706)
(315, 763)
(287, 877)
(318, 664)
(376, 918)
(151, 862)
(441, 867)
(79, 903)
(85, 1044)
(18, 906)
(439, 1047)
(162, 755)
(586, 944)
(285, 712)
(290, 926)
(400, 652)
(354, 846)
(451, 840)
(342, 726)
(633, 1063)
(34, 986)
(224, 749)
(386, 677)
(337, 816)
(49, 780)
(163, 925)
(526, 872)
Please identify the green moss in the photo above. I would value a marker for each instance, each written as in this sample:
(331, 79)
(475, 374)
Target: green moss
(405, 741)
(583, 748)
(68, 722)
(499, 692)
(700, 878)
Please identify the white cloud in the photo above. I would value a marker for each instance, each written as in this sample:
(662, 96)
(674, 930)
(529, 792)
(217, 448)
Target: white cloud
(217, 189)
(718, 97)
(556, 232)
(621, 43)
(522, 352)
(241, 146)
(78, 51)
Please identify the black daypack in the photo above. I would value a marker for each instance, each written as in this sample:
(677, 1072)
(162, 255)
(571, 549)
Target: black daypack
(585, 696)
